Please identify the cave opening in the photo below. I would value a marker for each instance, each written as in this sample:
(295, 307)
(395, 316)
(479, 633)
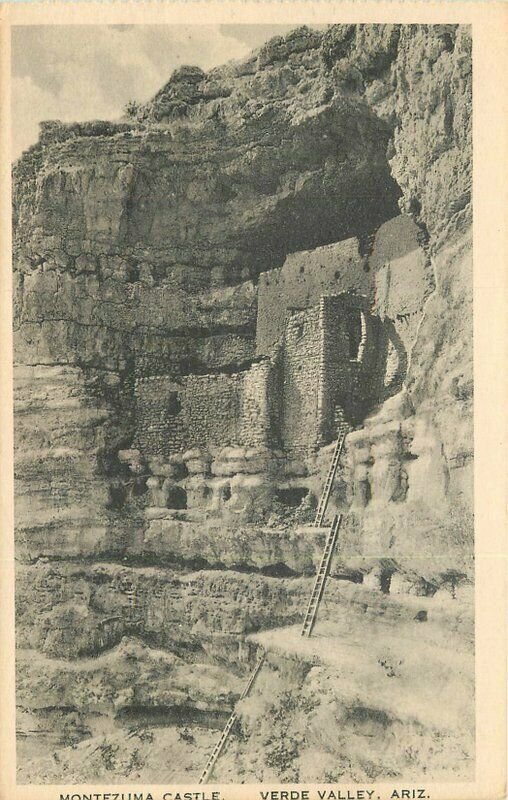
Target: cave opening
(157, 716)
(279, 570)
(176, 497)
(291, 497)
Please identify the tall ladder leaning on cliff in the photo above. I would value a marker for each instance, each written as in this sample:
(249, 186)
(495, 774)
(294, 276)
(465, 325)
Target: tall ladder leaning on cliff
(315, 598)
(217, 750)
(331, 540)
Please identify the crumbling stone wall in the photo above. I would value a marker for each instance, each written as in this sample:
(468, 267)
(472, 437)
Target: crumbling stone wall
(302, 280)
(335, 361)
(302, 370)
(159, 425)
(403, 278)
(211, 408)
(350, 363)
(260, 414)
(175, 413)
(195, 410)
(331, 369)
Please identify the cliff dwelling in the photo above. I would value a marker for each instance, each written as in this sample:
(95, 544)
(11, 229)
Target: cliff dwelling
(243, 404)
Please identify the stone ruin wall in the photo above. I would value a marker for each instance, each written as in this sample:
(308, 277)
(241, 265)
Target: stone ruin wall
(301, 367)
(301, 281)
(313, 380)
(175, 414)
(403, 279)
(324, 381)
(261, 405)
(349, 361)
(193, 411)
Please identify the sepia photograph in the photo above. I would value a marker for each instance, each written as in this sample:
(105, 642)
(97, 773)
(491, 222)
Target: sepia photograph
(242, 292)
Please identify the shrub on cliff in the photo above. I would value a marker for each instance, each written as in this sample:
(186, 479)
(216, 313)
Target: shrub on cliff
(132, 109)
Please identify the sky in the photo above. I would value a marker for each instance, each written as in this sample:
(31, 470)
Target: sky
(79, 72)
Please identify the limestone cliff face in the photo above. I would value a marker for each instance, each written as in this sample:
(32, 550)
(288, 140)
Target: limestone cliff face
(137, 247)
(412, 461)
(189, 204)
(139, 241)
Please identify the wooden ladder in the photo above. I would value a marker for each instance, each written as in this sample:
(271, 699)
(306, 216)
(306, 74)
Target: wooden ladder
(315, 598)
(217, 750)
(327, 488)
(321, 576)
(252, 677)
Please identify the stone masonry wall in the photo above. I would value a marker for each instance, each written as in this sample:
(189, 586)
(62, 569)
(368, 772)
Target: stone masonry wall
(330, 366)
(159, 430)
(259, 423)
(301, 281)
(349, 361)
(211, 409)
(403, 280)
(196, 410)
(207, 411)
(335, 363)
(335, 367)
(301, 371)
